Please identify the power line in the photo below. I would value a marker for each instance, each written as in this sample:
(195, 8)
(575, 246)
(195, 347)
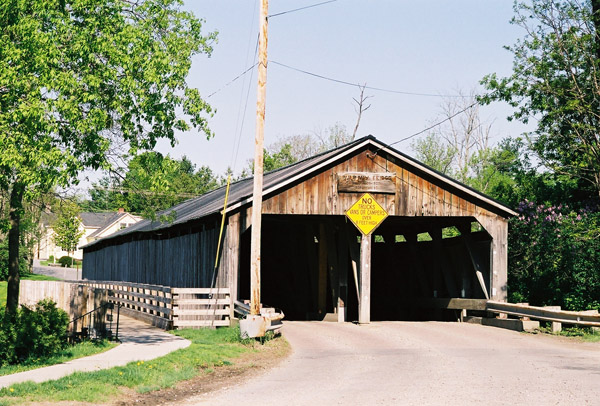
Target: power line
(239, 138)
(379, 89)
(301, 8)
(142, 192)
(434, 125)
(424, 191)
(233, 80)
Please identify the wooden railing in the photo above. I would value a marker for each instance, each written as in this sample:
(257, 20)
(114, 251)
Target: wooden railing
(168, 307)
(201, 307)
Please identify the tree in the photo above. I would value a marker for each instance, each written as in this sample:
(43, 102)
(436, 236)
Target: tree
(294, 148)
(152, 182)
(278, 159)
(556, 81)
(518, 179)
(360, 108)
(80, 78)
(461, 146)
(30, 231)
(275, 156)
(433, 151)
(334, 136)
(67, 228)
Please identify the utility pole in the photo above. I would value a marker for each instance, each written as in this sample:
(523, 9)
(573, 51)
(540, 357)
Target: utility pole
(258, 161)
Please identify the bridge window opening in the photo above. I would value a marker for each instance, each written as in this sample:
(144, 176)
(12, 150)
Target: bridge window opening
(450, 232)
(424, 237)
(476, 227)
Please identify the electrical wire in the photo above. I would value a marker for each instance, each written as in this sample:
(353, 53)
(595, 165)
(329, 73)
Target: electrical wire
(142, 192)
(239, 139)
(233, 80)
(301, 8)
(431, 196)
(434, 125)
(379, 89)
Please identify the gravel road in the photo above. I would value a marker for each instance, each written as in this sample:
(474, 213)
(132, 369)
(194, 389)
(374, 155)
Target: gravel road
(399, 363)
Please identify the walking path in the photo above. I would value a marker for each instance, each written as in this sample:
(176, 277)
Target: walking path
(139, 342)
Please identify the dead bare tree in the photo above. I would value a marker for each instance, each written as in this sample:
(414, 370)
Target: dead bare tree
(467, 133)
(360, 108)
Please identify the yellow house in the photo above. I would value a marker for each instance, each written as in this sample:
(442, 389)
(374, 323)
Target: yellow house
(94, 225)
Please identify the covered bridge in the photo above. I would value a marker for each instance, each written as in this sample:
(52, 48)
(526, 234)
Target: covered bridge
(441, 239)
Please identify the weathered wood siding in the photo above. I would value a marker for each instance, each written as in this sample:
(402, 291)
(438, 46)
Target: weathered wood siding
(179, 258)
(417, 194)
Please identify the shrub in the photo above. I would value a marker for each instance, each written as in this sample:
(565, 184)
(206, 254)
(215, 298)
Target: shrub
(67, 261)
(554, 255)
(33, 333)
(8, 339)
(23, 263)
(51, 258)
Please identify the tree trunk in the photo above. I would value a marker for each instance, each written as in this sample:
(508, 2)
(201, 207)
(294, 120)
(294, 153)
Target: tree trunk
(596, 20)
(16, 211)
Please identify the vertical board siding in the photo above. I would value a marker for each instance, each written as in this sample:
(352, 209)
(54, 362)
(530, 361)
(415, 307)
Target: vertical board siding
(415, 195)
(184, 260)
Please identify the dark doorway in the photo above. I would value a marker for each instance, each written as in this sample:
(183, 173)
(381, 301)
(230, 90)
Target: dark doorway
(306, 266)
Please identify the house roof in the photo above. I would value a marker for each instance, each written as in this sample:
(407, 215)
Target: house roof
(93, 220)
(109, 222)
(240, 192)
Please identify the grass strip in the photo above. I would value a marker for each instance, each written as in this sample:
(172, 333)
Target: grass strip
(38, 277)
(588, 334)
(209, 349)
(79, 350)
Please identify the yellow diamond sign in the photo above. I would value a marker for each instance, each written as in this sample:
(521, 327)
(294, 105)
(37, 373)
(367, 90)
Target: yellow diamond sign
(366, 214)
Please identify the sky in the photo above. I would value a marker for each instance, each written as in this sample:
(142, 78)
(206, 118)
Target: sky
(430, 46)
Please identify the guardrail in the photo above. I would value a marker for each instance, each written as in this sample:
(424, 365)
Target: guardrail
(168, 307)
(550, 313)
(585, 318)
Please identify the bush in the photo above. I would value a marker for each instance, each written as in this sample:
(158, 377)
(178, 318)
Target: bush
(51, 258)
(67, 261)
(23, 262)
(554, 252)
(8, 339)
(34, 333)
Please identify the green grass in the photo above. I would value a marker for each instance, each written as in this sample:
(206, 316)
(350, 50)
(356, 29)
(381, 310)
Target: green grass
(3, 285)
(83, 349)
(209, 349)
(585, 334)
(580, 333)
(36, 277)
(49, 263)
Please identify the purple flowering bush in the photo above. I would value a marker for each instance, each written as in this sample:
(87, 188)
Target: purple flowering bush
(554, 256)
